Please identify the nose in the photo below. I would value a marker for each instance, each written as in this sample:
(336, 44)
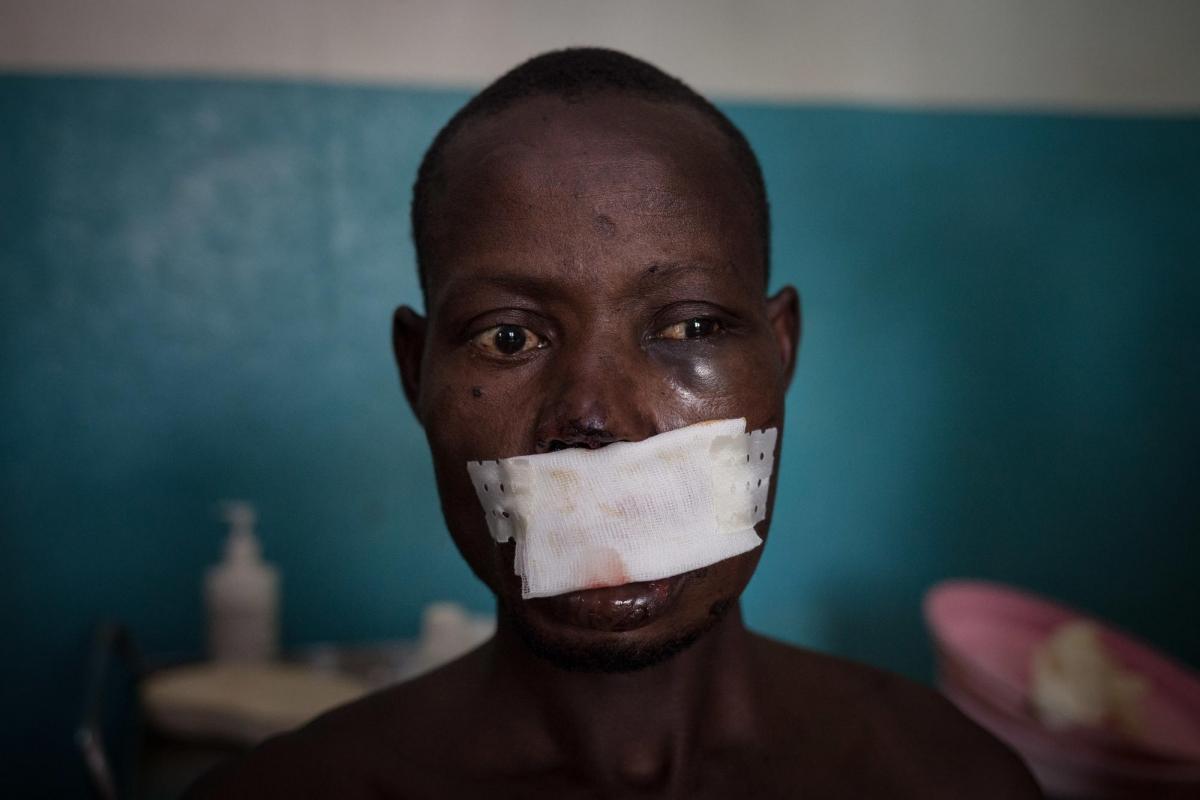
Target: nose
(596, 396)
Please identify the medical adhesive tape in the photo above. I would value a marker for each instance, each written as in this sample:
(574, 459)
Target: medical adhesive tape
(631, 511)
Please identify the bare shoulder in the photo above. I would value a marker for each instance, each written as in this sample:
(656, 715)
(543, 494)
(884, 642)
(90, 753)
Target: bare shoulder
(388, 743)
(883, 730)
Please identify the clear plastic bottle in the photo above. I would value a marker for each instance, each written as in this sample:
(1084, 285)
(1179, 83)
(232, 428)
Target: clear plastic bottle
(242, 595)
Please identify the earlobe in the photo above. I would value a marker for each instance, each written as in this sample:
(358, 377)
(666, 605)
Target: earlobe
(408, 345)
(783, 311)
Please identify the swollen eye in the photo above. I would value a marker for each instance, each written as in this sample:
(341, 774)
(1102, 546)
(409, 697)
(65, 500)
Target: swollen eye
(508, 340)
(694, 328)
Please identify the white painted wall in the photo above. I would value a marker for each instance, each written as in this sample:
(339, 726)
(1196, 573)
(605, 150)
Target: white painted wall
(1111, 55)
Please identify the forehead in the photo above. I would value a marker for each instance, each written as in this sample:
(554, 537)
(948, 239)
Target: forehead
(608, 180)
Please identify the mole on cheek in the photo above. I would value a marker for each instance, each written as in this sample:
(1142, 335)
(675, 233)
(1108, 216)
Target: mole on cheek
(476, 391)
(604, 225)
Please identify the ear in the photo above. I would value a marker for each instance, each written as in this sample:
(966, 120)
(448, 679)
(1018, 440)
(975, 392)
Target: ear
(783, 313)
(408, 345)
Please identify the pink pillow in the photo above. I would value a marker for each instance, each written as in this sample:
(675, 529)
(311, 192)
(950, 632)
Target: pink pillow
(985, 635)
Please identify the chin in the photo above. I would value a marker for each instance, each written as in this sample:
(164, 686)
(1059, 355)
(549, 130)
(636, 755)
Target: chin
(590, 650)
(627, 627)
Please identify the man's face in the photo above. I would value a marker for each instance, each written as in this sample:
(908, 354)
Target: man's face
(595, 275)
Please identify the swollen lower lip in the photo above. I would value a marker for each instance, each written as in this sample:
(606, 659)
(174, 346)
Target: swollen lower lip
(613, 608)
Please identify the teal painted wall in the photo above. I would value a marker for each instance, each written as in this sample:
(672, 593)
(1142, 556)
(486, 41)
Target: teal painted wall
(998, 378)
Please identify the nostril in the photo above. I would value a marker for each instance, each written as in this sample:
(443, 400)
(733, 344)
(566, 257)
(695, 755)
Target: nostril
(589, 431)
(586, 443)
(589, 434)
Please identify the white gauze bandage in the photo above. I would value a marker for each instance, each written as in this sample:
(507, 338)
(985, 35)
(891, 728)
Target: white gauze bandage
(631, 511)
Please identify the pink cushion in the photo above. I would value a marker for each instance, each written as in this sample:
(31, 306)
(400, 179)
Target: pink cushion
(985, 635)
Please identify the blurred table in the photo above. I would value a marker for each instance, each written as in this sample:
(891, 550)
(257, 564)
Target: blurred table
(128, 757)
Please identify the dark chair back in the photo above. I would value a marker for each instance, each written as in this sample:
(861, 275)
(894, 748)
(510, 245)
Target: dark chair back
(108, 731)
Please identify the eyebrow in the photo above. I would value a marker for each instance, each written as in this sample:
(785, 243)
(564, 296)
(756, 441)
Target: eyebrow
(532, 287)
(540, 288)
(665, 272)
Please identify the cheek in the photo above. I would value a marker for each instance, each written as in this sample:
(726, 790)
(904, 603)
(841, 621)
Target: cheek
(459, 424)
(472, 412)
(721, 381)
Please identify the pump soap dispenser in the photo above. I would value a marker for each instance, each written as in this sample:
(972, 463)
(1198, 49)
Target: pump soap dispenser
(242, 595)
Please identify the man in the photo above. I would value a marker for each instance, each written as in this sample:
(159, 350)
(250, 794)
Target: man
(592, 238)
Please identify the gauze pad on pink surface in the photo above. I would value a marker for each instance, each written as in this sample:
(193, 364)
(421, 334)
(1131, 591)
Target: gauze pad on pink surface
(631, 511)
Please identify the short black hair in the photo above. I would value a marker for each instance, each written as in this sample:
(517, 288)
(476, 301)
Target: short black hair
(574, 74)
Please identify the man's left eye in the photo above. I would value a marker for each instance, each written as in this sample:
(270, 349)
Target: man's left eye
(694, 328)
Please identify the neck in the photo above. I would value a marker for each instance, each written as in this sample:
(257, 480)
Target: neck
(643, 728)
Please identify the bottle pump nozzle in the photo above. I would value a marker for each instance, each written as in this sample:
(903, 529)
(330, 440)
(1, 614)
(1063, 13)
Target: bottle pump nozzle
(242, 545)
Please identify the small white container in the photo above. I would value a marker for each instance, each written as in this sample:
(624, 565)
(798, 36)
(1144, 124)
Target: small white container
(242, 595)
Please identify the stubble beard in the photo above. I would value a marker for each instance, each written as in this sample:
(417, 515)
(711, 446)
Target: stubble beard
(615, 655)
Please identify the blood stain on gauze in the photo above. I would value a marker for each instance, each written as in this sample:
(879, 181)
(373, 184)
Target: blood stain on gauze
(631, 511)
